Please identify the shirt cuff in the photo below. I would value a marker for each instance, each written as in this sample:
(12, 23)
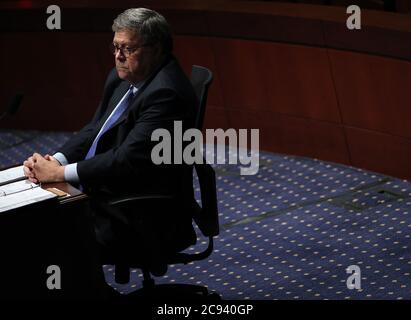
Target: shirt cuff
(70, 173)
(61, 158)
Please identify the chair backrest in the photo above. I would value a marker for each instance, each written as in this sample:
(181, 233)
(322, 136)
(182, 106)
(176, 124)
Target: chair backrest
(201, 79)
(207, 219)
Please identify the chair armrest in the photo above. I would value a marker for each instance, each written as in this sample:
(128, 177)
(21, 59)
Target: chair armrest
(207, 218)
(182, 257)
(140, 198)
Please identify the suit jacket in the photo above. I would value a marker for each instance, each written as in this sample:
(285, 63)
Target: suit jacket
(122, 164)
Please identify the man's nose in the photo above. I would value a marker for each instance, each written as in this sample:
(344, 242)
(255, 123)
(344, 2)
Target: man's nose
(119, 56)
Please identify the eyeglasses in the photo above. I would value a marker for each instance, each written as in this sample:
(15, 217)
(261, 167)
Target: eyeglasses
(124, 50)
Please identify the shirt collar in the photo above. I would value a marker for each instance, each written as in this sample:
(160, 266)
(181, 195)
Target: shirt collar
(136, 86)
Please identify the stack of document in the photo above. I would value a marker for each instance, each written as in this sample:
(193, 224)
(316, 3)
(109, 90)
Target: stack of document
(16, 191)
(11, 175)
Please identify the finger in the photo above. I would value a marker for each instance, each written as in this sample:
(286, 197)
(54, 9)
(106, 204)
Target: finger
(38, 159)
(50, 158)
(34, 180)
(37, 156)
(28, 164)
(31, 159)
(26, 171)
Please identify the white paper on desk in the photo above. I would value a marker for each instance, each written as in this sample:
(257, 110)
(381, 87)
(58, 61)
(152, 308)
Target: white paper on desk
(17, 187)
(11, 174)
(24, 198)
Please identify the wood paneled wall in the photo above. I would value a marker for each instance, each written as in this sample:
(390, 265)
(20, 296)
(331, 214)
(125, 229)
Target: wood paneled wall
(312, 87)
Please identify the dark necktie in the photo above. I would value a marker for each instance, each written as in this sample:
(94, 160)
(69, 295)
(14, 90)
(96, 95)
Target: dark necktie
(111, 120)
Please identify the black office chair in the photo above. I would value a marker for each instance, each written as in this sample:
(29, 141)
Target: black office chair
(201, 79)
(206, 218)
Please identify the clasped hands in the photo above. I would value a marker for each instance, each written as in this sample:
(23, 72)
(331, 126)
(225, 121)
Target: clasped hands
(43, 169)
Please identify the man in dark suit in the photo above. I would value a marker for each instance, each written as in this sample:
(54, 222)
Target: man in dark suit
(111, 156)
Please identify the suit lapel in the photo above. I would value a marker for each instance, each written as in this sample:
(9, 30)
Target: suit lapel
(126, 111)
(133, 103)
(121, 91)
(118, 93)
(116, 97)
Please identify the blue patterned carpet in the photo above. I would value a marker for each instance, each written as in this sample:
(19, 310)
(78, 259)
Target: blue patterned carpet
(288, 232)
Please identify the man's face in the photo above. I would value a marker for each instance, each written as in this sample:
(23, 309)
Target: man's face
(138, 65)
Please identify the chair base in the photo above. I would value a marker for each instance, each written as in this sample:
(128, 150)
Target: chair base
(175, 292)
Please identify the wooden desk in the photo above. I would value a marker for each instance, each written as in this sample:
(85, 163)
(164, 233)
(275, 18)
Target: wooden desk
(53, 232)
(74, 193)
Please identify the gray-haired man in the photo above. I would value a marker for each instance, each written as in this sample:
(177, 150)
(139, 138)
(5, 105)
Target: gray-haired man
(111, 156)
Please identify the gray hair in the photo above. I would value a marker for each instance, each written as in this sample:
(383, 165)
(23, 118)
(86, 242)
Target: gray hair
(151, 26)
